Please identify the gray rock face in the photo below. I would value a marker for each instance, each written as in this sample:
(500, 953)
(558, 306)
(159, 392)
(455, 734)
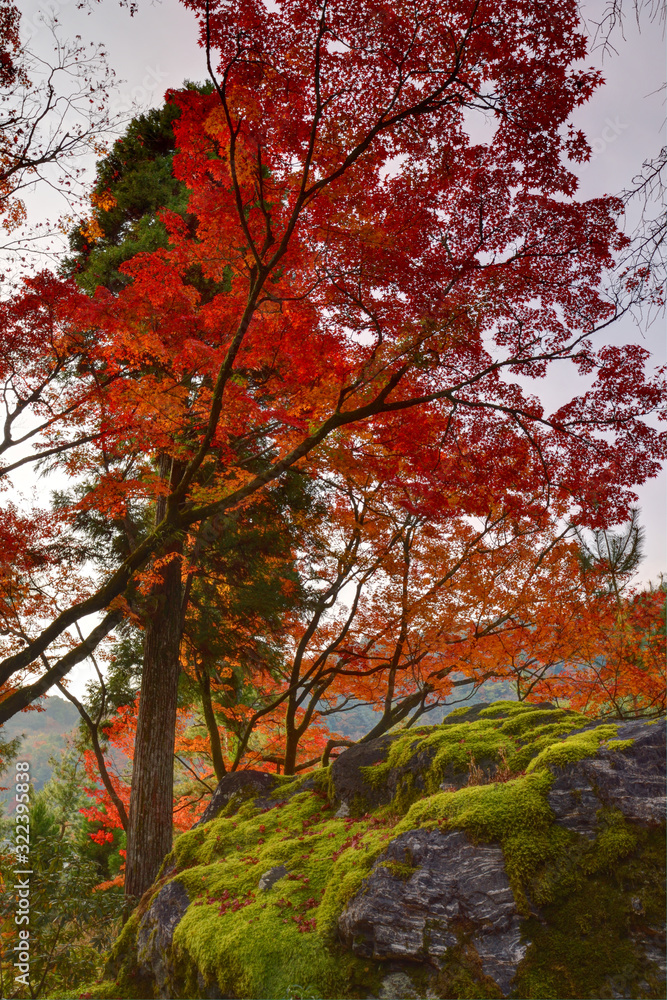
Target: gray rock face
(352, 789)
(264, 789)
(156, 932)
(454, 887)
(632, 781)
(254, 783)
(434, 900)
(654, 950)
(208, 990)
(348, 781)
(269, 879)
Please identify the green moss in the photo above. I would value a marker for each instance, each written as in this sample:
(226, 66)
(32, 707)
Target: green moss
(238, 936)
(582, 943)
(288, 785)
(507, 736)
(235, 935)
(399, 869)
(512, 708)
(619, 744)
(456, 713)
(128, 988)
(259, 944)
(573, 748)
(338, 893)
(323, 781)
(122, 958)
(615, 841)
(406, 792)
(535, 719)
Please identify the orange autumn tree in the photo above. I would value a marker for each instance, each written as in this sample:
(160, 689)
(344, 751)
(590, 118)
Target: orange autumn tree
(503, 609)
(119, 735)
(615, 666)
(602, 650)
(351, 258)
(397, 611)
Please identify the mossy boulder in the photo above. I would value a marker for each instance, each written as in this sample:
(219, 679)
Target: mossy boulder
(512, 851)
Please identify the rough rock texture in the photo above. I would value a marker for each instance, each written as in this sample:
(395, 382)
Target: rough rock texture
(246, 783)
(455, 887)
(264, 789)
(547, 881)
(348, 781)
(353, 791)
(156, 933)
(269, 879)
(633, 781)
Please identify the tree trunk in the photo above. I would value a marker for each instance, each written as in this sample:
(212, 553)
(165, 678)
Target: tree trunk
(151, 799)
(291, 749)
(204, 679)
(292, 737)
(149, 836)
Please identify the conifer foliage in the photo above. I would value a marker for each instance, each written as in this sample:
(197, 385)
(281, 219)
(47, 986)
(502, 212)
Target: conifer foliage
(339, 281)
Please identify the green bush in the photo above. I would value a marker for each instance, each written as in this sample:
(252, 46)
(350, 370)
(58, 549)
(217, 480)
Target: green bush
(71, 924)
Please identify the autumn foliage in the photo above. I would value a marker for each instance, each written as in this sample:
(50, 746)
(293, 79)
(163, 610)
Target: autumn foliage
(343, 288)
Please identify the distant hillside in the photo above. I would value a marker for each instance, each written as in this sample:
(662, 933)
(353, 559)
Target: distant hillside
(355, 723)
(43, 732)
(43, 735)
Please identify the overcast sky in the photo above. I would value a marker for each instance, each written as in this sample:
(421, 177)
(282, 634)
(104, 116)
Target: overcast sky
(157, 49)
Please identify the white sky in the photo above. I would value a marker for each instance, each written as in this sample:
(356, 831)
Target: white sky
(157, 49)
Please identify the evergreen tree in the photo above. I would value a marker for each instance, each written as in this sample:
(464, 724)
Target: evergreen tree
(133, 183)
(245, 576)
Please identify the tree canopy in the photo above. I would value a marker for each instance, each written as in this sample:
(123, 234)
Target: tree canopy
(307, 302)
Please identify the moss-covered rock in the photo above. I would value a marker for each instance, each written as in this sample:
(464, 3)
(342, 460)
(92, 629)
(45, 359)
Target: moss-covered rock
(512, 851)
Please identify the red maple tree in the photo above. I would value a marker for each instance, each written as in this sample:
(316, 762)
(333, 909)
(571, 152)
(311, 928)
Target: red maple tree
(352, 258)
